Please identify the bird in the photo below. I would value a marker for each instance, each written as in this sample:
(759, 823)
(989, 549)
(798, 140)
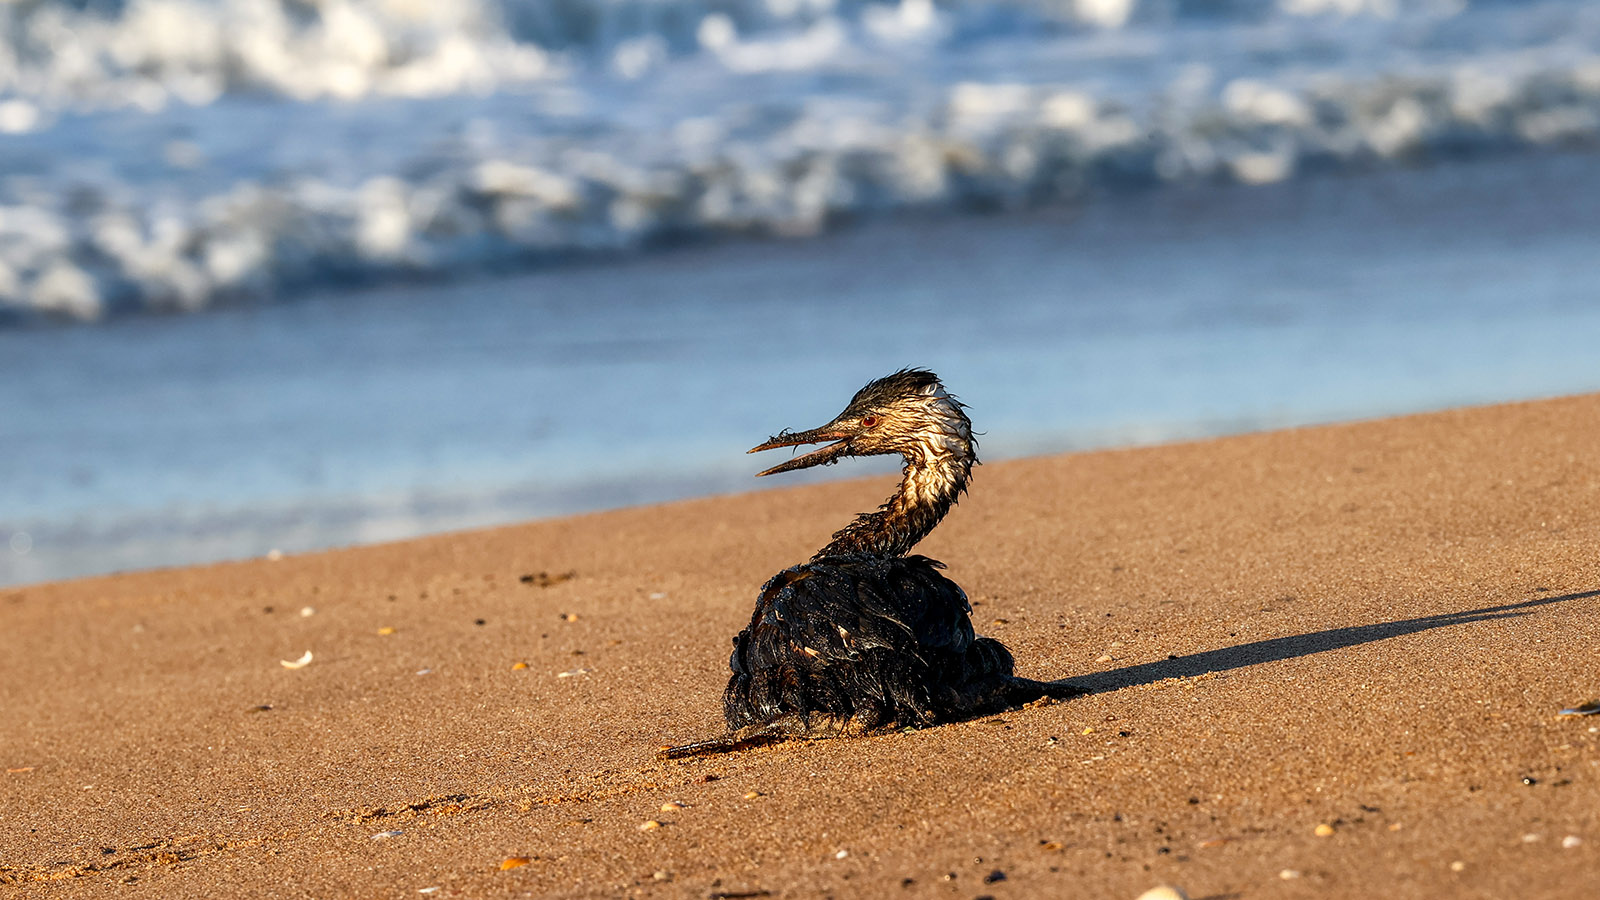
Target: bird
(866, 637)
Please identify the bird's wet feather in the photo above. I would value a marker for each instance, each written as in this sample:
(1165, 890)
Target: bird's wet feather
(864, 637)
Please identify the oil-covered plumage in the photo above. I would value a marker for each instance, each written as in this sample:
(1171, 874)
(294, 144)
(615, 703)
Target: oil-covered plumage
(862, 642)
(864, 637)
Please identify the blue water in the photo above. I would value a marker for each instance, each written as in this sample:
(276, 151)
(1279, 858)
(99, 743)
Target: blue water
(351, 415)
(278, 275)
(177, 155)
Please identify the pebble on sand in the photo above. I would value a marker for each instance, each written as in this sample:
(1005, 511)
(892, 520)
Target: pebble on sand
(386, 630)
(1324, 830)
(1164, 892)
(1570, 841)
(1289, 874)
(385, 835)
(545, 579)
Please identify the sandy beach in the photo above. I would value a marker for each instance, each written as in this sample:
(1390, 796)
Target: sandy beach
(1325, 662)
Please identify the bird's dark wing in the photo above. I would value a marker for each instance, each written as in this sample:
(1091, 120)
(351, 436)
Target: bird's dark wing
(871, 637)
(841, 610)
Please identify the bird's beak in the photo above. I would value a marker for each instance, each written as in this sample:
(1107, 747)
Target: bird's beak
(819, 457)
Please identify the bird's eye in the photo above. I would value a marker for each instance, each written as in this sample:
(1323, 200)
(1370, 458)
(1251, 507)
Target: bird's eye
(869, 421)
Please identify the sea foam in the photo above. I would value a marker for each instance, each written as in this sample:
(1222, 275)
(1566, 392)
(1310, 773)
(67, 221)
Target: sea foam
(167, 155)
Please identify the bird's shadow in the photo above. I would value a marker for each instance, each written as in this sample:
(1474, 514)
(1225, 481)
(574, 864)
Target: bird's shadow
(1277, 649)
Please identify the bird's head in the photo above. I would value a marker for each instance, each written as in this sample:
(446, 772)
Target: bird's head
(908, 413)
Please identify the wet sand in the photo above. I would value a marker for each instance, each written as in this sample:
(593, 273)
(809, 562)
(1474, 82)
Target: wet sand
(1369, 627)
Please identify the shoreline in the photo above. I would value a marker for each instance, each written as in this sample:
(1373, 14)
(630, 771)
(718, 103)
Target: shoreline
(1368, 627)
(401, 411)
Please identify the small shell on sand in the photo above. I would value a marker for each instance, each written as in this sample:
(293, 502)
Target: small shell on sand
(386, 630)
(519, 665)
(1289, 874)
(651, 825)
(751, 795)
(1592, 708)
(1324, 830)
(673, 806)
(300, 663)
(513, 862)
(385, 835)
(1570, 841)
(1164, 892)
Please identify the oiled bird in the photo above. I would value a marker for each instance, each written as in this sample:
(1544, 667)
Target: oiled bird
(864, 637)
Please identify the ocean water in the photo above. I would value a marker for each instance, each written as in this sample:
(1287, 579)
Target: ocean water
(172, 155)
(347, 417)
(289, 274)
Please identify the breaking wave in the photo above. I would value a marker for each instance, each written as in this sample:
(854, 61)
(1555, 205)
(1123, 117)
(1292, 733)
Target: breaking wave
(173, 154)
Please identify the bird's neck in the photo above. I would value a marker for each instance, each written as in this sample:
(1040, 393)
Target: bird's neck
(933, 479)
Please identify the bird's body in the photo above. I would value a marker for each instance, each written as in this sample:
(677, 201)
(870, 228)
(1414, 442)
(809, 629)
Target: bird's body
(852, 644)
(864, 637)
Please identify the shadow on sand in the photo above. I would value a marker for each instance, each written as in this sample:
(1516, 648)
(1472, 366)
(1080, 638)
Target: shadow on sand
(1298, 645)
